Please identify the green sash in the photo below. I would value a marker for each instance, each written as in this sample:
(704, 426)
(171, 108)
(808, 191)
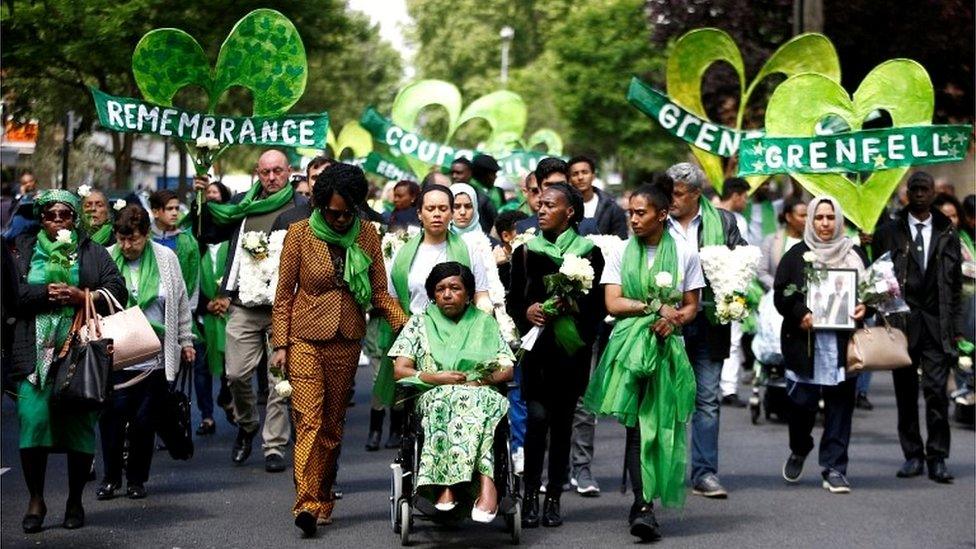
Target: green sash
(569, 242)
(144, 291)
(457, 250)
(356, 271)
(52, 262)
(214, 326)
(646, 380)
(225, 214)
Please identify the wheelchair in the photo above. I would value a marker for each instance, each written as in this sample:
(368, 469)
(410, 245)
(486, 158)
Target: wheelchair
(406, 505)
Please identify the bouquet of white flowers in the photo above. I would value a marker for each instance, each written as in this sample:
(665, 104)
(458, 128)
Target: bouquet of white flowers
(522, 238)
(258, 275)
(393, 241)
(256, 244)
(729, 273)
(879, 287)
(575, 278)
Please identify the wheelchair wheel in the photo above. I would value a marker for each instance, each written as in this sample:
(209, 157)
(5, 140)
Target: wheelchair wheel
(404, 523)
(516, 518)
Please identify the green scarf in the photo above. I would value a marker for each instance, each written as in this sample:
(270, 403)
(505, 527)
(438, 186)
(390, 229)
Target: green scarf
(462, 345)
(711, 230)
(356, 271)
(457, 250)
(569, 242)
(103, 234)
(646, 380)
(144, 291)
(225, 214)
(52, 262)
(967, 241)
(214, 326)
(188, 252)
(495, 195)
(768, 212)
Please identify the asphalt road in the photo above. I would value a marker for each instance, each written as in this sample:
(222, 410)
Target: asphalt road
(209, 502)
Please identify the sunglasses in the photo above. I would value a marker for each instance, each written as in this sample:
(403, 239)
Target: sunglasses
(57, 215)
(338, 214)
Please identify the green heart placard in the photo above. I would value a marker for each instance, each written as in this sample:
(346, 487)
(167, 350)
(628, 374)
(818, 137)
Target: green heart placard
(699, 49)
(901, 87)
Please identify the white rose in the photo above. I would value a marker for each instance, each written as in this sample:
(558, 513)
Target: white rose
(809, 257)
(84, 191)
(119, 204)
(63, 237)
(283, 389)
(663, 279)
(736, 309)
(208, 143)
(965, 362)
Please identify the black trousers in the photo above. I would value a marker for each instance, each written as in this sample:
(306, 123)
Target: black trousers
(551, 419)
(935, 365)
(838, 410)
(131, 414)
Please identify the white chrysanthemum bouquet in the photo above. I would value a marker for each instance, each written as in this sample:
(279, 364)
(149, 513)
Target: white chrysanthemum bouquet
(574, 279)
(729, 273)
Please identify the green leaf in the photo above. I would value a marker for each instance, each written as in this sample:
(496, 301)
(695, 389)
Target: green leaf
(354, 137)
(264, 54)
(505, 113)
(167, 60)
(899, 86)
(417, 96)
(544, 136)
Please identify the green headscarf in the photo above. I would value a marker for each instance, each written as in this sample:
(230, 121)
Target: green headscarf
(53, 262)
(144, 290)
(646, 380)
(50, 196)
(356, 271)
(225, 214)
(214, 326)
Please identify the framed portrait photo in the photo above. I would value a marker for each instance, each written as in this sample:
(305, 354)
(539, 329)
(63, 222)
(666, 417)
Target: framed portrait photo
(832, 299)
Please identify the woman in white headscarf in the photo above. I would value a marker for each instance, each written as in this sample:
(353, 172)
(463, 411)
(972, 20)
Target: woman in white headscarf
(466, 224)
(815, 359)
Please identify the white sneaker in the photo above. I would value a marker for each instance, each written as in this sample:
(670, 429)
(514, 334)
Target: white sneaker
(518, 461)
(445, 507)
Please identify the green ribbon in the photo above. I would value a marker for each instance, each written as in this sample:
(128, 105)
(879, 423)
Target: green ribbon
(569, 242)
(457, 250)
(643, 378)
(214, 326)
(188, 252)
(225, 214)
(356, 270)
(52, 262)
(144, 291)
(855, 152)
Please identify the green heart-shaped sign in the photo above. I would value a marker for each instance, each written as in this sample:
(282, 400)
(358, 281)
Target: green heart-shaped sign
(899, 86)
(699, 49)
(263, 53)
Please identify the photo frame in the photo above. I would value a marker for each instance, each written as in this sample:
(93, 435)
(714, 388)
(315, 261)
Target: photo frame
(832, 297)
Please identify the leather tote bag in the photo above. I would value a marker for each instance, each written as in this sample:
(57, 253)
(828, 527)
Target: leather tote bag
(877, 348)
(81, 369)
(133, 337)
(173, 422)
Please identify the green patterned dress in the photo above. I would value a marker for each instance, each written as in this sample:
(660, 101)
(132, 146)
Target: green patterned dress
(459, 421)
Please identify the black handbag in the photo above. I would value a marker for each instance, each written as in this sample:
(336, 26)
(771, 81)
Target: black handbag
(81, 370)
(173, 422)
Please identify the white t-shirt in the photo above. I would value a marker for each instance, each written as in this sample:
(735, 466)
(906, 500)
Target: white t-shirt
(427, 256)
(688, 265)
(589, 207)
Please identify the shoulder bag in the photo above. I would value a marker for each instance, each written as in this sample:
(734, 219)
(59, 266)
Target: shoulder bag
(81, 369)
(133, 337)
(173, 419)
(877, 348)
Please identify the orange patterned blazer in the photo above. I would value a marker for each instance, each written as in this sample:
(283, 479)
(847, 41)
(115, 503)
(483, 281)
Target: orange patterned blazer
(313, 303)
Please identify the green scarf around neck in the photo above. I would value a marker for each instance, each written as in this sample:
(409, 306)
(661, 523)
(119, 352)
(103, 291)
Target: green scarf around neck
(102, 235)
(214, 326)
(225, 214)
(647, 381)
(356, 270)
(711, 230)
(569, 242)
(457, 250)
(144, 290)
(464, 344)
(52, 262)
(768, 213)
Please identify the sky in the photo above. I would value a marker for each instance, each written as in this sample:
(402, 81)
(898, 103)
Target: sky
(392, 18)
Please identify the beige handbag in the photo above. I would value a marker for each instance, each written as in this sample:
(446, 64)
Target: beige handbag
(877, 348)
(133, 338)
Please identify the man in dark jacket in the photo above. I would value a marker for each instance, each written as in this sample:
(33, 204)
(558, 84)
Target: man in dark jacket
(601, 207)
(926, 253)
(707, 344)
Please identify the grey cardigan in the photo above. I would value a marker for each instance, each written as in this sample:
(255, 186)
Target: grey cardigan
(177, 309)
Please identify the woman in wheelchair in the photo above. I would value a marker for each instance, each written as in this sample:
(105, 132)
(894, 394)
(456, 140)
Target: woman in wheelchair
(455, 354)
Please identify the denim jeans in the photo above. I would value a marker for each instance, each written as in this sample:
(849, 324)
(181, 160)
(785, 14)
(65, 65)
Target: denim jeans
(705, 420)
(863, 383)
(517, 411)
(203, 382)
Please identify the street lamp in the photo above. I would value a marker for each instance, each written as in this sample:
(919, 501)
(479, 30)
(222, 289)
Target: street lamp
(506, 34)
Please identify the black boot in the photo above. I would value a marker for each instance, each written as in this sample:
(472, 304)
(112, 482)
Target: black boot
(396, 429)
(530, 509)
(550, 512)
(642, 522)
(242, 446)
(375, 429)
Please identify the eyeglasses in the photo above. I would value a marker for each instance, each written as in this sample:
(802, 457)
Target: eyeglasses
(57, 215)
(267, 171)
(338, 214)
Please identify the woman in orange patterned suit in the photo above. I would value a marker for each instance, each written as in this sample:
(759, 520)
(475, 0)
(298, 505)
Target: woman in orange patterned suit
(331, 274)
